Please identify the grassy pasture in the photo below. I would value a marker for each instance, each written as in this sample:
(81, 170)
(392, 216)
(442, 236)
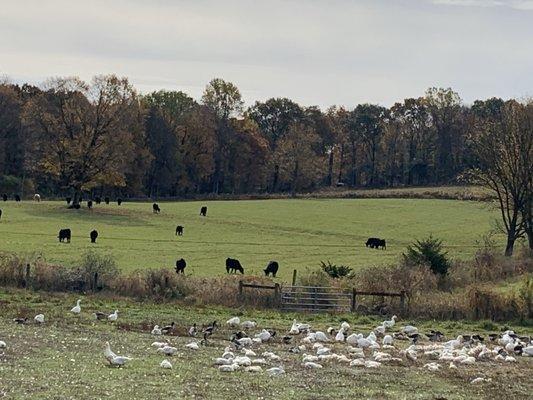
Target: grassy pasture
(63, 358)
(298, 233)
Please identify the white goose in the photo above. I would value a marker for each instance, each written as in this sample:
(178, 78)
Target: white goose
(113, 317)
(156, 331)
(108, 353)
(275, 371)
(264, 335)
(168, 350)
(192, 346)
(340, 335)
(233, 322)
(3, 344)
(76, 309)
(321, 336)
(39, 318)
(387, 340)
(248, 324)
(294, 328)
(389, 324)
(166, 364)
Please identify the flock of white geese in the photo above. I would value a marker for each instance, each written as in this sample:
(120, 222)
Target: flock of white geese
(337, 345)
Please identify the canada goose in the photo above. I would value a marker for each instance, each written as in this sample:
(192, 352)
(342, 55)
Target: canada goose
(286, 339)
(20, 321)
(76, 309)
(168, 329)
(100, 315)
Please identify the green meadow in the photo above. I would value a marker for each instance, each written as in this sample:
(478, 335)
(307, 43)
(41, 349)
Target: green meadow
(297, 233)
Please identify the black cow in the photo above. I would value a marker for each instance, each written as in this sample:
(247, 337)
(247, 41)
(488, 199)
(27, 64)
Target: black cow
(272, 268)
(180, 266)
(17, 198)
(64, 234)
(155, 208)
(203, 211)
(233, 265)
(94, 235)
(98, 200)
(119, 201)
(4, 197)
(106, 200)
(90, 204)
(179, 230)
(376, 243)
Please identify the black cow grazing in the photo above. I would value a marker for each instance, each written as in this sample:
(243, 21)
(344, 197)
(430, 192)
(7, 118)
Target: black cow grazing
(64, 235)
(94, 235)
(106, 200)
(68, 200)
(4, 197)
(376, 243)
(203, 211)
(180, 266)
(17, 198)
(272, 268)
(98, 200)
(179, 230)
(90, 204)
(155, 208)
(233, 265)
(119, 201)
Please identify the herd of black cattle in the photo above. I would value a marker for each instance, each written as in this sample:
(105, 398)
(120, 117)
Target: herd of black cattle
(232, 265)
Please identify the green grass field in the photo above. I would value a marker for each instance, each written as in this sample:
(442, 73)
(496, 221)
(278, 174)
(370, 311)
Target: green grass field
(63, 358)
(297, 233)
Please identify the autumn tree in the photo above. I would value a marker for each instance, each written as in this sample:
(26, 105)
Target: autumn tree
(224, 100)
(503, 149)
(84, 133)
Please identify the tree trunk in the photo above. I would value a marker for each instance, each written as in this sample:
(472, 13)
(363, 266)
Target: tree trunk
(353, 177)
(329, 179)
(275, 179)
(294, 178)
(341, 163)
(511, 238)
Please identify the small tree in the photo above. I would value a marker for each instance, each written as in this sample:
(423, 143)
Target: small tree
(335, 271)
(428, 252)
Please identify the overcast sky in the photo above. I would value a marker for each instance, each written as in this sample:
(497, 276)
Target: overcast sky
(317, 52)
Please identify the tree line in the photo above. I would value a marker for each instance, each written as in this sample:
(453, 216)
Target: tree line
(69, 137)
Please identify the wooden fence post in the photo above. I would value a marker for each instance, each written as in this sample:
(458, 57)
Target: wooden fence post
(95, 282)
(354, 295)
(402, 301)
(294, 278)
(277, 297)
(240, 288)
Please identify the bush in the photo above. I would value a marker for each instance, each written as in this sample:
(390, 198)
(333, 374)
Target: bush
(101, 266)
(428, 252)
(335, 271)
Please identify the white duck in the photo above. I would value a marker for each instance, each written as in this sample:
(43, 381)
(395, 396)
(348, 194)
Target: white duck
(345, 325)
(165, 364)
(39, 318)
(294, 328)
(156, 331)
(76, 309)
(113, 317)
(233, 322)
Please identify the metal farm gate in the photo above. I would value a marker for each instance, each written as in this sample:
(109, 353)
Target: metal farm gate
(315, 298)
